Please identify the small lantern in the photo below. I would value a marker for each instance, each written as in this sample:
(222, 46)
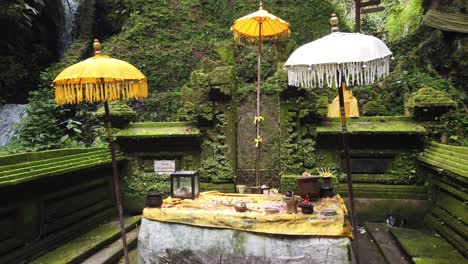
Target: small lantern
(326, 191)
(185, 184)
(265, 189)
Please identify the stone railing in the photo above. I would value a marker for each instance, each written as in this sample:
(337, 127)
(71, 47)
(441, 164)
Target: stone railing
(447, 168)
(49, 197)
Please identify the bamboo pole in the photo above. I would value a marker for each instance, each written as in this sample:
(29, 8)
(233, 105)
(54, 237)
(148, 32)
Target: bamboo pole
(257, 121)
(345, 141)
(118, 196)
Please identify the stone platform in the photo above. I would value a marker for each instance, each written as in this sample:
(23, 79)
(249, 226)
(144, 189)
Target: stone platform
(161, 242)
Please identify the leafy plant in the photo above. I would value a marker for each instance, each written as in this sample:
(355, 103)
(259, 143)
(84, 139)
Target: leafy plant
(137, 182)
(41, 129)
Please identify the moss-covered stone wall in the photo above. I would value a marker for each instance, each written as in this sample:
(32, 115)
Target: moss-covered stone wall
(50, 197)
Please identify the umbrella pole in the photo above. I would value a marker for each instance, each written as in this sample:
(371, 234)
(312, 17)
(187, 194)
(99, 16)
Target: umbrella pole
(345, 140)
(115, 171)
(257, 123)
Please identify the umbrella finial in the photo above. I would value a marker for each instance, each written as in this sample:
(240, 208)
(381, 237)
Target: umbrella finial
(97, 47)
(334, 23)
(260, 5)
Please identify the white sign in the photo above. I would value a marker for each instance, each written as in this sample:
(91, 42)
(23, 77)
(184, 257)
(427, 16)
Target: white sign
(164, 166)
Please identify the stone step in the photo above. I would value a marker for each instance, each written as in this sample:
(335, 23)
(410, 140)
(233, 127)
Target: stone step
(461, 150)
(424, 246)
(89, 243)
(447, 162)
(113, 252)
(368, 250)
(385, 191)
(441, 166)
(452, 156)
(386, 243)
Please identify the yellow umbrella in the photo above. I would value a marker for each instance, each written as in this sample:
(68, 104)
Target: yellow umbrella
(260, 24)
(99, 79)
(102, 79)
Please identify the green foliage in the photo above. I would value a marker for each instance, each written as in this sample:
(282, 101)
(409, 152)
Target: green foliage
(49, 126)
(195, 98)
(247, 63)
(289, 183)
(167, 40)
(429, 97)
(449, 128)
(215, 166)
(25, 49)
(403, 169)
(298, 147)
(403, 19)
(41, 129)
(421, 60)
(111, 16)
(374, 108)
(137, 182)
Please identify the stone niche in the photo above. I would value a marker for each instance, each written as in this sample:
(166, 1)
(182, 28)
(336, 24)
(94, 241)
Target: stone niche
(153, 151)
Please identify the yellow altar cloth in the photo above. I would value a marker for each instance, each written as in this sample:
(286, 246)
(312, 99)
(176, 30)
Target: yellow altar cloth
(215, 209)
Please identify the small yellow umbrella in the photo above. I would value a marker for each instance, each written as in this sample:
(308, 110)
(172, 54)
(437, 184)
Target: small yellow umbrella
(102, 79)
(99, 79)
(258, 25)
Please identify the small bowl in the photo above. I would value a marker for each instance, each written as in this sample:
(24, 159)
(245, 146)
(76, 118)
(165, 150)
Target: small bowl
(307, 208)
(271, 210)
(328, 211)
(154, 199)
(240, 207)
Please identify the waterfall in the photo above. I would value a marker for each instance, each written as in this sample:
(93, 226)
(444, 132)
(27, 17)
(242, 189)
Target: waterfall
(70, 26)
(10, 114)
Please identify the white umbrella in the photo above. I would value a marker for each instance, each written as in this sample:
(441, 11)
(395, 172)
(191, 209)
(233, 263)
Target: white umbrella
(336, 60)
(359, 58)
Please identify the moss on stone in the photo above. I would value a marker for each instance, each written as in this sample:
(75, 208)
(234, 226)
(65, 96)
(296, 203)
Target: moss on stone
(216, 166)
(428, 103)
(42, 155)
(158, 130)
(28, 171)
(208, 65)
(374, 108)
(429, 97)
(384, 191)
(448, 159)
(372, 119)
(376, 127)
(121, 114)
(222, 187)
(289, 183)
(222, 75)
(421, 244)
(96, 238)
(454, 149)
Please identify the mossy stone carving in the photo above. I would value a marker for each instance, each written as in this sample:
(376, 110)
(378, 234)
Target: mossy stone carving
(428, 103)
(222, 75)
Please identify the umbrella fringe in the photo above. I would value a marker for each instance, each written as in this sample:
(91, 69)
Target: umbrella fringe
(360, 73)
(240, 39)
(94, 92)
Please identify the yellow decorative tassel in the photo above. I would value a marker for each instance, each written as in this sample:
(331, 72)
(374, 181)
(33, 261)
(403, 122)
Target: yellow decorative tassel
(258, 140)
(258, 119)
